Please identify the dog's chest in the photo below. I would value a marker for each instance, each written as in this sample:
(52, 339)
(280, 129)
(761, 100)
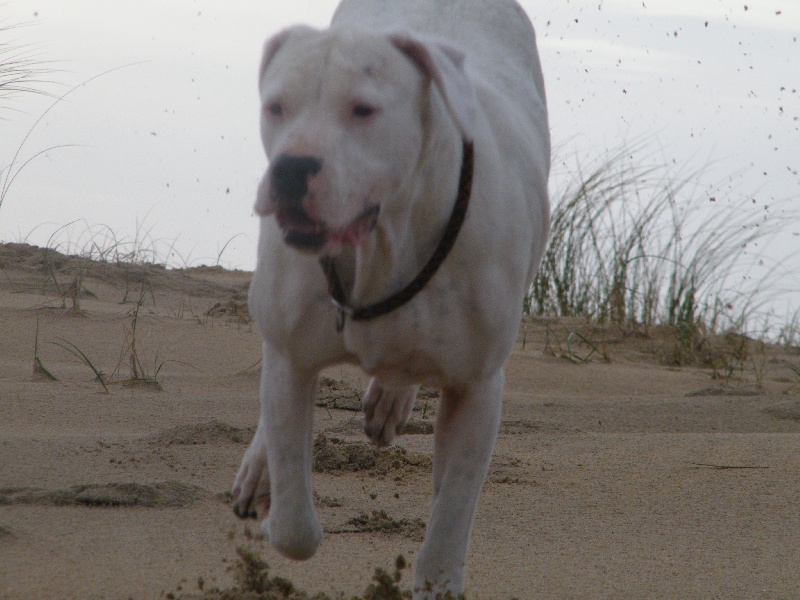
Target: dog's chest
(403, 350)
(410, 369)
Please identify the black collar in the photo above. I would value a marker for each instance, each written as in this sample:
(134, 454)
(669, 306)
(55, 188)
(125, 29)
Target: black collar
(398, 299)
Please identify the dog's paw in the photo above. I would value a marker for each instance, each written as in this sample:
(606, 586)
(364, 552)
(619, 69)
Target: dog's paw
(296, 533)
(386, 411)
(251, 487)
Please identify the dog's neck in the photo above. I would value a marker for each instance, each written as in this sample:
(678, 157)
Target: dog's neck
(406, 249)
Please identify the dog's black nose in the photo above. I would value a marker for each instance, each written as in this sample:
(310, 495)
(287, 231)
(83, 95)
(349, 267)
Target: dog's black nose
(290, 177)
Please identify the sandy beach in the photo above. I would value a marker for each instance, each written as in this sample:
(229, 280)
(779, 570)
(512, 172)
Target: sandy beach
(617, 473)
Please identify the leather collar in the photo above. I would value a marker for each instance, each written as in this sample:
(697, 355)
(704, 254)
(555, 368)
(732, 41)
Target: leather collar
(398, 299)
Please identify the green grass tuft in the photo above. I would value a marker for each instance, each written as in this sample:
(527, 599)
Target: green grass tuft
(633, 245)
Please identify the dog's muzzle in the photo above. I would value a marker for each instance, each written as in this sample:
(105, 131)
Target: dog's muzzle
(289, 187)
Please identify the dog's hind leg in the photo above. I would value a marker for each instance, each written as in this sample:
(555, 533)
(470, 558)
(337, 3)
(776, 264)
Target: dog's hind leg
(279, 460)
(386, 411)
(466, 431)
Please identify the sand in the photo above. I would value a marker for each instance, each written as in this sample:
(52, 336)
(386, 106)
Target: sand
(620, 477)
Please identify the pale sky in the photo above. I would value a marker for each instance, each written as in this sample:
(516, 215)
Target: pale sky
(169, 143)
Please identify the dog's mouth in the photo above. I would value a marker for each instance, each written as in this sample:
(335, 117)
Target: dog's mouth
(304, 233)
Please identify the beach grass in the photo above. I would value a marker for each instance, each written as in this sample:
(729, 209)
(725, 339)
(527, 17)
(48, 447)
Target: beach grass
(635, 245)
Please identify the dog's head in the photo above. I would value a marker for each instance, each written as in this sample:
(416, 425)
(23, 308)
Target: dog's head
(344, 116)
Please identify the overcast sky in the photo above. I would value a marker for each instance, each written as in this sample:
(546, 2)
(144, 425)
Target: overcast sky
(167, 144)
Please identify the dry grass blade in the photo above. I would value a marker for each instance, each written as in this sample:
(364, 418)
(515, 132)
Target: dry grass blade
(38, 366)
(13, 169)
(21, 71)
(139, 373)
(78, 353)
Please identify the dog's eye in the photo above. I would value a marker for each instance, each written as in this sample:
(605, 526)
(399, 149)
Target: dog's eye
(364, 111)
(275, 109)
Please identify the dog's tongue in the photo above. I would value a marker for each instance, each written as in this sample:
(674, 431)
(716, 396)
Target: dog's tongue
(358, 231)
(354, 235)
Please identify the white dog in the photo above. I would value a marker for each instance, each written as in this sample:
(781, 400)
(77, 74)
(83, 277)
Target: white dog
(404, 213)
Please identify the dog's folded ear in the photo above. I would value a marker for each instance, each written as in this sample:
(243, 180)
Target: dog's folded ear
(444, 64)
(263, 205)
(276, 42)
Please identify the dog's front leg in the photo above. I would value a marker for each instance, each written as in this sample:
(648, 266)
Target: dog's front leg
(251, 487)
(466, 431)
(279, 459)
